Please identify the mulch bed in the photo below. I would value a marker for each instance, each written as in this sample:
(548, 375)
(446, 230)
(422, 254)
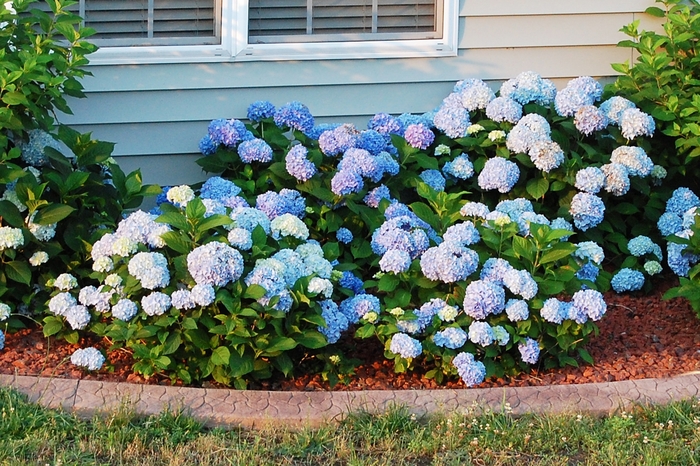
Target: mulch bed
(641, 336)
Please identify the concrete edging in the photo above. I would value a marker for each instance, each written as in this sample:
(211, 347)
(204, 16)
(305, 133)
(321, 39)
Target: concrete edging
(253, 409)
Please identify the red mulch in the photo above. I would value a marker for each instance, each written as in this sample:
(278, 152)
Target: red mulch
(641, 336)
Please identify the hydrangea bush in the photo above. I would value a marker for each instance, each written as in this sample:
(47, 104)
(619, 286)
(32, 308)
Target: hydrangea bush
(199, 290)
(51, 204)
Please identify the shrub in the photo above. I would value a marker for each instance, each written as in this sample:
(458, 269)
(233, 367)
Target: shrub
(663, 82)
(194, 293)
(51, 205)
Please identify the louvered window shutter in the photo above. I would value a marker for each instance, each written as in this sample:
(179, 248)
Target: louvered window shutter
(279, 21)
(150, 22)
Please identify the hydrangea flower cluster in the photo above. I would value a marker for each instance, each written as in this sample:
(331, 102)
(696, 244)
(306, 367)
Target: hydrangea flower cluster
(89, 358)
(33, 150)
(681, 206)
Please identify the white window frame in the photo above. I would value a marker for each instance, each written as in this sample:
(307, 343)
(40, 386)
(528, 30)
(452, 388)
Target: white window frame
(234, 45)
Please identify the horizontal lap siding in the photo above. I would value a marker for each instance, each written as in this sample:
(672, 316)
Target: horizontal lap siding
(157, 113)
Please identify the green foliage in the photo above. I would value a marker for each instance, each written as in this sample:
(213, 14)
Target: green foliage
(663, 82)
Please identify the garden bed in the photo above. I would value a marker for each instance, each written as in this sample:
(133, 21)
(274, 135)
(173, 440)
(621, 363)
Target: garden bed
(641, 336)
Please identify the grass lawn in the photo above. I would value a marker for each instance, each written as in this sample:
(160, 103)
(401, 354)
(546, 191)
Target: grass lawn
(30, 434)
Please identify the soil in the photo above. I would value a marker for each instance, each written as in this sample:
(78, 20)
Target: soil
(641, 336)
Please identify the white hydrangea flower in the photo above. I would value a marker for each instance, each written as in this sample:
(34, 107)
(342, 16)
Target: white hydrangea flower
(11, 238)
(40, 232)
(89, 358)
(289, 225)
(5, 311)
(180, 195)
(38, 258)
(11, 195)
(65, 282)
(113, 280)
(103, 264)
(321, 286)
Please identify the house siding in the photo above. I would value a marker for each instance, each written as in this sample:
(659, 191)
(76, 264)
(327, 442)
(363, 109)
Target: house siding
(157, 113)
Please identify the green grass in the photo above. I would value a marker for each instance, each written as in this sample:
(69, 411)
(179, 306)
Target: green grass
(669, 434)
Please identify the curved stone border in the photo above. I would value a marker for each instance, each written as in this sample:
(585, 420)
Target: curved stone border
(251, 409)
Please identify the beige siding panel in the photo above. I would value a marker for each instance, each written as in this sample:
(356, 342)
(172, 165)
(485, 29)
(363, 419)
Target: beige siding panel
(544, 7)
(487, 64)
(543, 30)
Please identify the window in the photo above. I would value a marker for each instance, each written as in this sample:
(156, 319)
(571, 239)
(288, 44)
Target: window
(169, 31)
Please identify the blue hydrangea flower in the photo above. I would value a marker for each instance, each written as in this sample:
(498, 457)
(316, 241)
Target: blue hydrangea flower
(434, 179)
(350, 281)
(590, 302)
(402, 233)
(344, 235)
(481, 333)
(207, 146)
(249, 218)
(471, 372)
(587, 210)
(219, 189)
(424, 316)
(294, 115)
(385, 124)
(678, 260)
(463, 233)
(346, 182)
(499, 174)
(546, 155)
(520, 282)
(589, 119)
(287, 201)
(33, 151)
(590, 180)
(529, 129)
(451, 337)
(318, 130)
(124, 310)
(560, 223)
(483, 298)
(405, 346)
(527, 87)
(449, 262)
(494, 270)
(554, 311)
(182, 300)
(627, 280)
(255, 150)
(215, 263)
(260, 110)
(473, 94)
(374, 197)
(681, 200)
(590, 251)
(588, 271)
(529, 350)
(635, 159)
(228, 132)
(641, 245)
(356, 307)
(614, 106)
(634, 123)
(669, 223)
(503, 109)
(617, 181)
(203, 295)
(395, 260)
(338, 140)
(517, 310)
(419, 136)
(461, 168)
(156, 303)
(240, 238)
(336, 322)
(452, 121)
(578, 93)
(298, 165)
(474, 209)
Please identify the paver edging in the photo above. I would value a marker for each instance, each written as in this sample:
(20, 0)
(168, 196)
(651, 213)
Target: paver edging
(252, 409)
